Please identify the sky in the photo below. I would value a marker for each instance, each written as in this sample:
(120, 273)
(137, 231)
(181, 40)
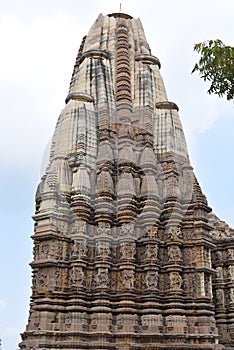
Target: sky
(39, 43)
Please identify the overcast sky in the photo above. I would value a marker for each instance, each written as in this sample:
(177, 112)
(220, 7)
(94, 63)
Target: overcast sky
(39, 43)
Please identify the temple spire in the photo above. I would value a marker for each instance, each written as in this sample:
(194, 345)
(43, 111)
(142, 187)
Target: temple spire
(125, 245)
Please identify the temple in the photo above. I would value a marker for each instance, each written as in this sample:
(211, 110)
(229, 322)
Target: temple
(127, 253)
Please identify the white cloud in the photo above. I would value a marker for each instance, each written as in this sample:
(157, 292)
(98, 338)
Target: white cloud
(3, 304)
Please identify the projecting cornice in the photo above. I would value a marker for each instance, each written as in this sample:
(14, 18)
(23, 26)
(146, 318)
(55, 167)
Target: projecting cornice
(80, 96)
(95, 54)
(120, 15)
(148, 59)
(166, 105)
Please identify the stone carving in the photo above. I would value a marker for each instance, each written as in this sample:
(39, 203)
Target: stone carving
(101, 322)
(79, 249)
(44, 250)
(219, 272)
(101, 279)
(68, 319)
(103, 228)
(207, 254)
(151, 252)
(231, 295)
(77, 276)
(62, 227)
(152, 232)
(119, 321)
(58, 278)
(79, 227)
(127, 250)
(42, 281)
(175, 280)
(207, 284)
(175, 233)
(174, 253)
(128, 279)
(151, 279)
(219, 255)
(152, 323)
(126, 323)
(176, 324)
(231, 272)
(81, 321)
(103, 249)
(187, 256)
(127, 230)
(89, 278)
(36, 251)
(58, 250)
(220, 296)
(230, 253)
(34, 318)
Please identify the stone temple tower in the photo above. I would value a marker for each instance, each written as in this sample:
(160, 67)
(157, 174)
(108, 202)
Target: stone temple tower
(127, 253)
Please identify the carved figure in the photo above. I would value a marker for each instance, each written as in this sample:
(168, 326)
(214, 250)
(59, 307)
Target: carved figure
(62, 227)
(175, 233)
(207, 255)
(58, 278)
(103, 249)
(79, 249)
(231, 295)
(151, 279)
(219, 255)
(175, 280)
(58, 251)
(36, 252)
(220, 296)
(127, 229)
(101, 279)
(174, 253)
(78, 227)
(68, 319)
(44, 250)
(151, 252)
(230, 253)
(219, 272)
(103, 228)
(42, 280)
(128, 250)
(152, 232)
(231, 271)
(119, 321)
(128, 279)
(77, 276)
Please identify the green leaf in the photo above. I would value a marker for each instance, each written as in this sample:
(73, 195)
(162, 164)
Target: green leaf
(216, 64)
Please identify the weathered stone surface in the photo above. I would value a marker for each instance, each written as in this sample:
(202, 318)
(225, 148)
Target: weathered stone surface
(127, 253)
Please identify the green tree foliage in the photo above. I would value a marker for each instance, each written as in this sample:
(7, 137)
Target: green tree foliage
(216, 65)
